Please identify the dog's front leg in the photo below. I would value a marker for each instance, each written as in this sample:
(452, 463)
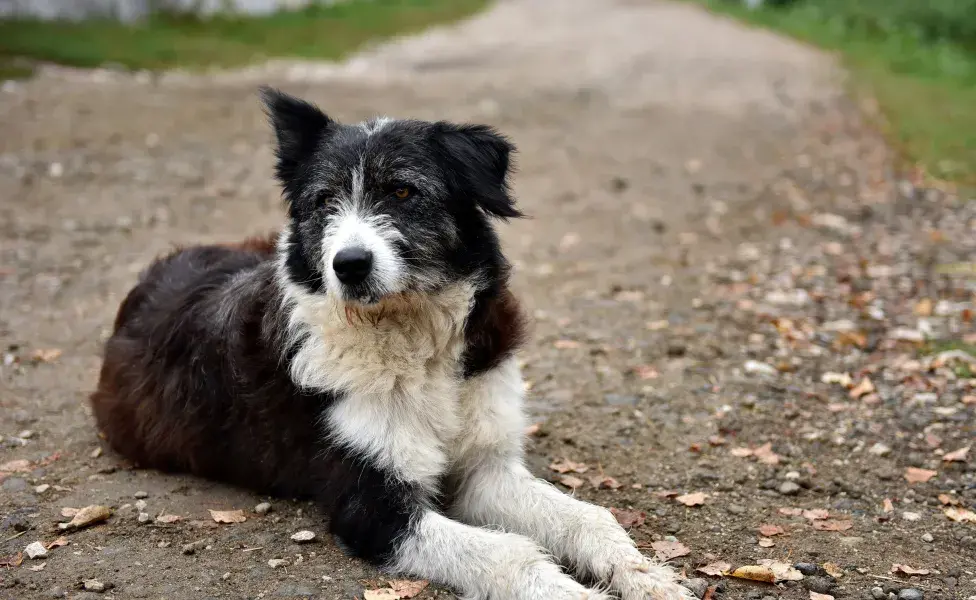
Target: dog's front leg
(496, 490)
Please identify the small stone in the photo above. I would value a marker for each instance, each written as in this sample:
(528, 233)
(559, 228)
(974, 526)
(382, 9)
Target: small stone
(276, 563)
(789, 488)
(141, 505)
(56, 592)
(877, 593)
(736, 509)
(697, 586)
(225, 576)
(35, 550)
(94, 585)
(754, 367)
(820, 585)
(880, 449)
(26, 434)
(140, 495)
(928, 538)
(143, 518)
(303, 536)
(42, 488)
(808, 569)
(263, 508)
(192, 547)
(911, 594)
(96, 452)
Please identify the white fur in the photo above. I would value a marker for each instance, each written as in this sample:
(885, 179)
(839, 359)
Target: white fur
(485, 564)
(352, 229)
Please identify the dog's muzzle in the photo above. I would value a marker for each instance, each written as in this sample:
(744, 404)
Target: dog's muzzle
(353, 265)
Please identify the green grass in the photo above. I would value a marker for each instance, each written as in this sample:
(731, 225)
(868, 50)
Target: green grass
(917, 62)
(962, 370)
(166, 40)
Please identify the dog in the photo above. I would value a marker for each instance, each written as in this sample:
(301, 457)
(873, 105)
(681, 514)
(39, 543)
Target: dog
(366, 359)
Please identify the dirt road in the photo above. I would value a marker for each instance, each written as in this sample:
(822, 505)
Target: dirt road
(729, 290)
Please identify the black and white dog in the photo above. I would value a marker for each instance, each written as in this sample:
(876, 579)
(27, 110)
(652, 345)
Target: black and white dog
(366, 360)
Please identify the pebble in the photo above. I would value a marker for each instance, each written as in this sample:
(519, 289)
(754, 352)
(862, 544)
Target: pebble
(141, 505)
(928, 538)
(754, 367)
(697, 586)
(42, 488)
(789, 488)
(820, 585)
(736, 509)
(263, 508)
(225, 576)
(26, 434)
(140, 495)
(303, 536)
(807, 569)
(192, 547)
(878, 593)
(275, 563)
(143, 518)
(94, 585)
(911, 594)
(36, 550)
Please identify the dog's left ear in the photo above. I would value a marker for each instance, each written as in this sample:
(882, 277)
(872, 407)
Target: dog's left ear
(299, 126)
(481, 161)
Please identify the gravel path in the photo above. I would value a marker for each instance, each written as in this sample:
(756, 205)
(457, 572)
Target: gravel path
(730, 293)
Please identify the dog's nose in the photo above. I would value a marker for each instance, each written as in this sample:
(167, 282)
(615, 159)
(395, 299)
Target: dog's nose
(352, 265)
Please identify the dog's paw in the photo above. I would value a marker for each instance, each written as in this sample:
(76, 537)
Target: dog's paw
(550, 583)
(644, 579)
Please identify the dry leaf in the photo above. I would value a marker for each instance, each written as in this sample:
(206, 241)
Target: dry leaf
(693, 499)
(957, 455)
(568, 466)
(948, 500)
(605, 483)
(816, 596)
(571, 482)
(90, 515)
(715, 569)
(915, 475)
(896, 568)
(646, 372)
(782, 571)
(407, 588)
(46, 355)
(791, 512)
(766, 542)
(887, 506)
(61, 541)
(771, 530)
(741, 452)
(766, 455)
(816, 514)
(832, 525)
(168, 518)
(755, 573)
(13, 560)
(716, 440)
(665, 551)
(833, 570)
(628, 518)
(962, 515)
(565, 344)
(380, 594)
(861, 389)
(228, 516)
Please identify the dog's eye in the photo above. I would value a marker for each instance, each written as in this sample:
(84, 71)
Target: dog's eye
(403, 192)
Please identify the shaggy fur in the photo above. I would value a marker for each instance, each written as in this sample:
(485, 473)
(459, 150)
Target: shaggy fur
(364, 358)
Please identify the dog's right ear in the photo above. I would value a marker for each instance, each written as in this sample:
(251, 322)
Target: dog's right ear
(298, 126)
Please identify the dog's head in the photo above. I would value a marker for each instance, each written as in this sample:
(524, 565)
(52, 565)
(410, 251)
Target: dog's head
(387, 206)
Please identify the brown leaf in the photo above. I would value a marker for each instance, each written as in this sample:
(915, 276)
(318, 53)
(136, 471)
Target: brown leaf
(791, 512)
(771, 530)
(571, 482)
(46, 355)
(665, 551)
(61, 541)
(957, 455)
(816, 596)
(568, 466)
(90, 515)
(715, 569)
(833, 570)
(168, 519)
(380, 594)
(832, 525)
(645, 372)
(13, 560)
(741, 452)
(915, 475)
(710, 593)
(755, 573)
(407, 588)
(861, 389)
(604, 483)
(816, 514)
(924, 307)
(766, 455)
(961, 515)
(896, 568)
(628, 518)
(948, 500)
(565, 344)
(228, 516)
(781, 570)
(766, 542)
(693, 499)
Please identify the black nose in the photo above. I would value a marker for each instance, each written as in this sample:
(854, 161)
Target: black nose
(352, 265)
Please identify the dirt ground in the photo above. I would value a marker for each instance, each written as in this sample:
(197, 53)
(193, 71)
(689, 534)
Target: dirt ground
(731, 292)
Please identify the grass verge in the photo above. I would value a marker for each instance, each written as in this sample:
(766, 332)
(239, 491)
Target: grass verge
(165, 40)
(924, 87)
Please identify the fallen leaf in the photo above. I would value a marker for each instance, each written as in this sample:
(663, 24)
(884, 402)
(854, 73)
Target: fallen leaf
(766, 455)
(716, 440)
(791, 512)
(948, 500)
(839, 378)
(741, 452)
(924, 307)
(961, 515)
(969, 399)
(568, 466)
(755, 573)
(832, 525)
(61, 541)
(16, 466)
(228, 516)
(90, 515)
(46, 354)
(766, 542)
(957, 455)
(771, 530)
(646, 372)
(39, 567)
(628, 518)
(605, 483)
(833, 570)
(665, 551)
(816, 514)
(168, 518)
(694, 499)
(861, 389)
(407, 588)
(915, 475)
(666, 493)
(896, 568)
(783, 571)
(887, 506)
(13, 560)
(571, 482)
(710, 593)
(715, 569)
(816, 596)
(380, 594)
(565, 344)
